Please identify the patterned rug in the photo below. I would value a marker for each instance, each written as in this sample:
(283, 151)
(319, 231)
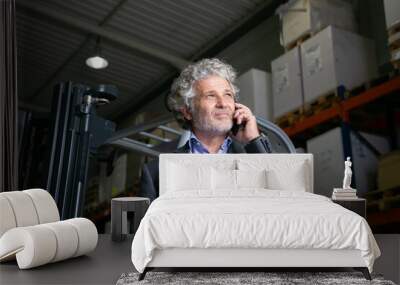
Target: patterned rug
(230, 278)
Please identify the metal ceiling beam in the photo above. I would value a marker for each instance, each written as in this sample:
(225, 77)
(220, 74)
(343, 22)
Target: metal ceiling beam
(163, 119)
(133, 145)
(155, 137)
(72, 56)
(264, 11)
(113, 36)
(170, 130)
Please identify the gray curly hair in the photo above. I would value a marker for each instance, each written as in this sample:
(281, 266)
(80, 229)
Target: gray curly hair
(183, 90)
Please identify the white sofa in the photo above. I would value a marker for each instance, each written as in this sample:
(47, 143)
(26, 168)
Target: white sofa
(31, 231)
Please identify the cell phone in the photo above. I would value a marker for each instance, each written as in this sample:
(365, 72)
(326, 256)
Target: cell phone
(236, 127)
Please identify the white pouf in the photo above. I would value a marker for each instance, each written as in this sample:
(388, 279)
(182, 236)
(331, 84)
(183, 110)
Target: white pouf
(40, 244)
(31, 233)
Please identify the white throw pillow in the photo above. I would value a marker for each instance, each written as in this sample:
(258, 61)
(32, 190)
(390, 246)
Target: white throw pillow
(282, 174)
(251, 178)
(223, 179)
(293, 179)
(183, 177)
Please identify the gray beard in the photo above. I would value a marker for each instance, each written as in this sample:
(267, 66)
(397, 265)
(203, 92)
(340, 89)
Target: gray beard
(204, 124)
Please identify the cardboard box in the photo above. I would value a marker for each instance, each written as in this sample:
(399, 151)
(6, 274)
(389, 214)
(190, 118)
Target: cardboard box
(336, 57)
(256, 92)
(329, 161)
(115, 183)
(388, 173)
(287, 86)
(392, 12)
(303, 17)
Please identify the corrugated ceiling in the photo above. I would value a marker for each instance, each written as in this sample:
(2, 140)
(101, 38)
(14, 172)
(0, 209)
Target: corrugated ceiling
(50, 50)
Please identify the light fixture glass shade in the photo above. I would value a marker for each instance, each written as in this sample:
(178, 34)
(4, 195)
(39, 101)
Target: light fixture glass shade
(97, 62)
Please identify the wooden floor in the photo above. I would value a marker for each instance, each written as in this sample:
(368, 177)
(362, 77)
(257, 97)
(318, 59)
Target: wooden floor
(102, 266)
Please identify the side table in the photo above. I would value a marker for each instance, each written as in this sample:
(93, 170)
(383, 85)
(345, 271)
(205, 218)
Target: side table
(119, 208)
(358, 205)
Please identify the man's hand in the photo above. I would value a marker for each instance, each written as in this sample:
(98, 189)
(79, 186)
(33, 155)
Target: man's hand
(249, 131)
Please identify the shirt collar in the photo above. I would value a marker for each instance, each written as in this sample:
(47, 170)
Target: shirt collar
(195, 145)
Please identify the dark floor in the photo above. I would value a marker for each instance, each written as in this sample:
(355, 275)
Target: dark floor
(102, 266)
(110, 259)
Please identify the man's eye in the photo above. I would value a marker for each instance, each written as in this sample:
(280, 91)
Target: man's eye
(210, 95)
(229, 94)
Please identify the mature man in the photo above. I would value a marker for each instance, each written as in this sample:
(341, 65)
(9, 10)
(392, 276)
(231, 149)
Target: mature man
(205, 95)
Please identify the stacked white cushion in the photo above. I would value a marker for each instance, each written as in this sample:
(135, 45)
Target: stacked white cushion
(31, 232)
(7, 218)
(23, 208)
(293, 173)
(26, 208)
(41, 244)
(192, 174)
(45, 205)
(67, 240)
(214, 173)
(87, 234)
(32, 246)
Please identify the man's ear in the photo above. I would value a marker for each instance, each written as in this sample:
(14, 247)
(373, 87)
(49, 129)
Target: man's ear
(186, 113)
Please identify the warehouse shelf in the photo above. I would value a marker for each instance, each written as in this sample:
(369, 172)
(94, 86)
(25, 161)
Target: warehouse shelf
(342, 109)
(355, 114)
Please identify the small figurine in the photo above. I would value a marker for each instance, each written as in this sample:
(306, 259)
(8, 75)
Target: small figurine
(347, 174)
(345, 193)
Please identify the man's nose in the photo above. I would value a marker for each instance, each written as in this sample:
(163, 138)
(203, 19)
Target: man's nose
(221, 102)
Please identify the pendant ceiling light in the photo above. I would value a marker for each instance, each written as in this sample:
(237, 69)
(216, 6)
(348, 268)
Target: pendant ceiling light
(97, 61)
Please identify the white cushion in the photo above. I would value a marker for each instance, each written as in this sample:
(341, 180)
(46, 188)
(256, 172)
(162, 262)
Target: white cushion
(292, 180)
(184, 177)
(33, 246)
(87, 235)
(23, 208)
(67, 240)
(7, 218)
(45, 205)
(26, 208)
(251, 178)
(40, 244)
(226, 179)
(190, 174)
(223, 179)
(282, 174)
(288, 174)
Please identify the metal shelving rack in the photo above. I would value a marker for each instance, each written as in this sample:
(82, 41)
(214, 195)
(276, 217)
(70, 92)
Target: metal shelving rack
(342, 108)
(341, 111)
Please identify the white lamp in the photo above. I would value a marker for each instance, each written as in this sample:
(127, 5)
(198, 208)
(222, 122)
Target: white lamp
(97, 61)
